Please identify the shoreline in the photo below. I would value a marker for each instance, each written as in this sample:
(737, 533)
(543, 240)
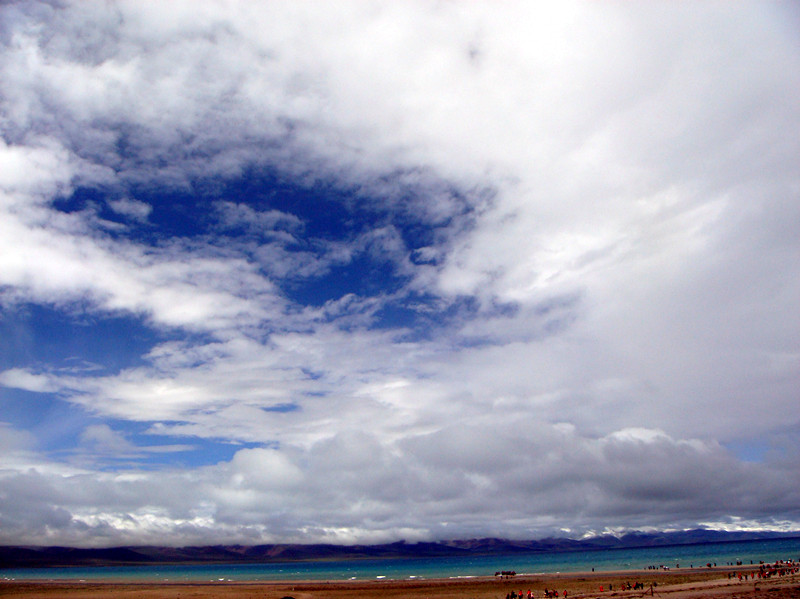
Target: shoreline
(691, 572)
(684, 583)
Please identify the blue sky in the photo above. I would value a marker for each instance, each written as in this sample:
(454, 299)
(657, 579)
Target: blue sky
(294, 272)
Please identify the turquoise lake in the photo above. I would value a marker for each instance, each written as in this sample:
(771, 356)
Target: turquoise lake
(450, 567)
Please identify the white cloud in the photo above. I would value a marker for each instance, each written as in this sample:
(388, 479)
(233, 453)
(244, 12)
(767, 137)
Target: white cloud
(54, 263)
(18, 378)
(102, 437)
(134, 209)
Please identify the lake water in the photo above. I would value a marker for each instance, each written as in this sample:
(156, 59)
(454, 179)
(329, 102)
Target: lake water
(440, 567)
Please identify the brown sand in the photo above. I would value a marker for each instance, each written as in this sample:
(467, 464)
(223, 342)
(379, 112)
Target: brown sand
(684, 584)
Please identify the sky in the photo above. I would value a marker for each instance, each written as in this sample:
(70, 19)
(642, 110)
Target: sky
(356, 272)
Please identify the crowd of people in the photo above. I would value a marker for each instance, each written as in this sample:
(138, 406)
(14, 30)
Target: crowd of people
(779, 568)
(554, 593)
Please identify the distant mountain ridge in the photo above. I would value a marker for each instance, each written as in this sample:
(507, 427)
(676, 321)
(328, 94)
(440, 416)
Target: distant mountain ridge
(26, 556)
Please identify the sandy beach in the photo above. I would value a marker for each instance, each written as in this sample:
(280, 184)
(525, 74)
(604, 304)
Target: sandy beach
(684, 584)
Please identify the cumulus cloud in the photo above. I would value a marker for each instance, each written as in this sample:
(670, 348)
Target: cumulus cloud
(426, 486)
(446, 269)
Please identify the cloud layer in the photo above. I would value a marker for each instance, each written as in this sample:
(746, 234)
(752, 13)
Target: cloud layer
(396, 271)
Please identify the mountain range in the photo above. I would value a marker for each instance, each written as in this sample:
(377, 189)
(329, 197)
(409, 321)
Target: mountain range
(27, 556)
